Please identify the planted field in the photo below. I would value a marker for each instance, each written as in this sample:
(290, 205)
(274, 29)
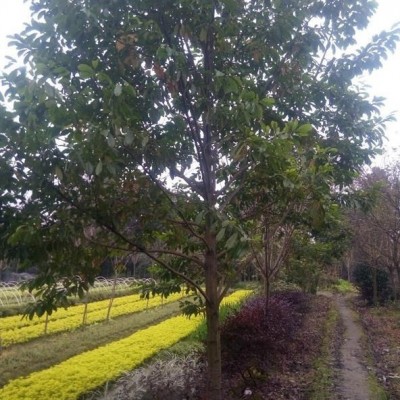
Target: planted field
(11, 294)
(88, 370)
(16, 330)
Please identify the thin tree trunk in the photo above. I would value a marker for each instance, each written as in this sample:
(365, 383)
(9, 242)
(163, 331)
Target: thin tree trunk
(266, 257)
(214, 353)
(374, 287)
(267, 266)
(392, 274)
(397, 283)
(46, 323)
(212, 317)
(85, 311)
(110, 303)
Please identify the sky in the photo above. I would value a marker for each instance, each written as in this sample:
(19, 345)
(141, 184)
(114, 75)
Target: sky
(384, 82)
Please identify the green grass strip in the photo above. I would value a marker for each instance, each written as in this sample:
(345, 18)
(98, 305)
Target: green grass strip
(84, 372)
(323, 379)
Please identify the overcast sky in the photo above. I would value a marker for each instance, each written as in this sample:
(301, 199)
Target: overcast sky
(384, 82)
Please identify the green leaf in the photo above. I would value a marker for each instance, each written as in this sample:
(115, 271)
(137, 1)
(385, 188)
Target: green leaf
(89, 168)
(59, 173)
(111, 140)
(145, 140)
(103, 77)
(232, 241)
(267, 102)
(128, 139)
(86, 71)
(304, 130)
(199, 218)
(221, 234)
(3, 140)
(99, 168)
(62, 71)
(231, 86)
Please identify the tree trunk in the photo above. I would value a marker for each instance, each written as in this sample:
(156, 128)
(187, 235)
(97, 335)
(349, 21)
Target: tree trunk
(267, 285)
(267, 266)
(213, 328)
(266, 259)
(397, 283)
(374, 287)
(392, 275)
(110, 303)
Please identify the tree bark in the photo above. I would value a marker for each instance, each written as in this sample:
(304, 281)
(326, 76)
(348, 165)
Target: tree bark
(374, 287)
(212, 317)
(392, 275)
(267, 260)
(397, 283)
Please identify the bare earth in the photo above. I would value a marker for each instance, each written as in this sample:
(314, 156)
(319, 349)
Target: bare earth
(352, 374)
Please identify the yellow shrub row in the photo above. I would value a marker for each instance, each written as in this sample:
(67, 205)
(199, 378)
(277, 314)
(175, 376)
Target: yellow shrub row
(121, 306)
(77, 375)
(16, 321)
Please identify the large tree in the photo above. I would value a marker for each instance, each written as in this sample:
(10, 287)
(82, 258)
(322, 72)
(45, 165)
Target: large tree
(136, 125)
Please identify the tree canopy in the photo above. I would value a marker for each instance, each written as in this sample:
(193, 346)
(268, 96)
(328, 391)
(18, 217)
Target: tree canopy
(139, 125)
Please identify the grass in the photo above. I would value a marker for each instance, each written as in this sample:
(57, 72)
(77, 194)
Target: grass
(375, 388)
(8, 311)
(323, 380)
(343, 286)
(381, 340)
(22, 359)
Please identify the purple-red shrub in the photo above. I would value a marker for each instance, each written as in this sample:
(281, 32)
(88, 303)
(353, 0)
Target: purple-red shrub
(299, 300)
(255, 338)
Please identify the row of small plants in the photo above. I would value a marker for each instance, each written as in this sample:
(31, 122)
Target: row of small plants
(17, 330)
(11, 294)
(17, 322)
(82, 373)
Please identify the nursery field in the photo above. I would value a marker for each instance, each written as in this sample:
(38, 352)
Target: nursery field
(16, 330)
(11, 295)
(68, 360)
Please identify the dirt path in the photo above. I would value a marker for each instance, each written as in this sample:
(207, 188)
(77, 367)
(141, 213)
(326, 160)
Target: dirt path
(353, 376)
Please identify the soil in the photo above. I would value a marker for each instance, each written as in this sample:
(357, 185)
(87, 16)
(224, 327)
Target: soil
(352, 382)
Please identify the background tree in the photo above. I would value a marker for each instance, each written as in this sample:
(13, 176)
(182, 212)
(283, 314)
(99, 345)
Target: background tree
(317, 249)
(145, 120)
(292, 198)
(377, 231)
